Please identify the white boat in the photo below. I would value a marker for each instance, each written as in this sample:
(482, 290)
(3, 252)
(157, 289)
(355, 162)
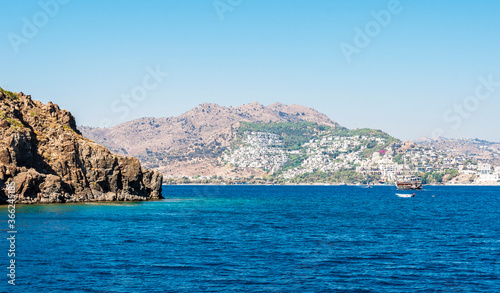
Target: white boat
(405, 194)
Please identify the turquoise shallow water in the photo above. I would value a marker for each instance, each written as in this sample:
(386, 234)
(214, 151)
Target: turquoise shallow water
(263, 239)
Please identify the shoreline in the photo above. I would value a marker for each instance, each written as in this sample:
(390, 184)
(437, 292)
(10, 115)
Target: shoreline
(323, 184)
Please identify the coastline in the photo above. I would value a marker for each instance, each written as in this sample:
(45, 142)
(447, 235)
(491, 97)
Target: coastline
(319, 184)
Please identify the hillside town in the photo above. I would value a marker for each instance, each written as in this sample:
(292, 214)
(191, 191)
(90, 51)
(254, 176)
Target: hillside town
(476, 149)
(376, 157)
(261, 150)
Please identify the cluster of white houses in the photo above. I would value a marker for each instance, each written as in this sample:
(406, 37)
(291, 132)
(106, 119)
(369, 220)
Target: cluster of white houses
(335, 153)
(262, 151)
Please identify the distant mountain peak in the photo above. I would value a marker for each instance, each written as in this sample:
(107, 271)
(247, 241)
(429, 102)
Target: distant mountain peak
(276, 105)
(205, 124)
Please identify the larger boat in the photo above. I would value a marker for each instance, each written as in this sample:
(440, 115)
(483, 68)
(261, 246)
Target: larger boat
(409, 183)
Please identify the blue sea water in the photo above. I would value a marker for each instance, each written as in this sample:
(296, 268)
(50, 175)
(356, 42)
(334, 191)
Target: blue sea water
(262, 239)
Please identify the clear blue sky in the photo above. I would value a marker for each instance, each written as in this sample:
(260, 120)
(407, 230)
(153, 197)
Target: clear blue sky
(86, 54)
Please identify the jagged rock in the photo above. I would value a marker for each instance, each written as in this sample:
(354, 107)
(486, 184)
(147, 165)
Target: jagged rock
(49, 161)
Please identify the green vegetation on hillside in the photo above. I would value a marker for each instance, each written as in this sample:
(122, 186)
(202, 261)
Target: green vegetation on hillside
(452, 172)
(293, 134)
(439, 177)
(372, 133)
(398, 159)
(368, 132)
(67, 128)
(14, 123)
(9, 94)
(371, 146)
(432, 177)
(294, 161)
(343, 176)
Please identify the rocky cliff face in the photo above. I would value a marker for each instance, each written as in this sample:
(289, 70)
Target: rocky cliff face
(42, 151)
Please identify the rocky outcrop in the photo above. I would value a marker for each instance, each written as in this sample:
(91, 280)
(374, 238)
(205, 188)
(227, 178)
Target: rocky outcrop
(49, 161)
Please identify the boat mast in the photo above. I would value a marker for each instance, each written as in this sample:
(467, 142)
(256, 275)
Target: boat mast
(404, 166)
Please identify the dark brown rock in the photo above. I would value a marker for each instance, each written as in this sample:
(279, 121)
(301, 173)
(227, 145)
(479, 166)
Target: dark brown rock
(49, 161)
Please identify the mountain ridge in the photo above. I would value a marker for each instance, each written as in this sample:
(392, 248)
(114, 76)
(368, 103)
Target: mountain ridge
(476, 148)
(207, 125)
